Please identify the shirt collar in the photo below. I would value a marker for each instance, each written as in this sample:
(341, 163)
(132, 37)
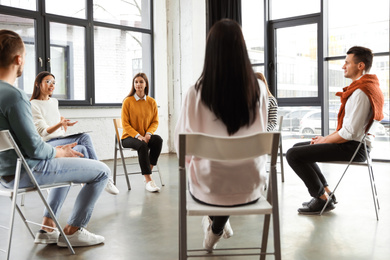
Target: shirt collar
(138, 98)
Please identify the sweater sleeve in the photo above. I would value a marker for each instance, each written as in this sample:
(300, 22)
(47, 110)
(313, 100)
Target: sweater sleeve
(154, 122)
(272, 114)
(27, 137)
(39, 120)
(128, 129)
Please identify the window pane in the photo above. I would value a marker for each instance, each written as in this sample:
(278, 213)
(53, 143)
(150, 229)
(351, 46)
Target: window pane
(258, 69)
(67, 60)
(26, 29)
(363, 24)
(24, 4)
(299, 124)
(287, 8)
(71, 8)
(135, 13)
(297, 67)
(119, 55)
(253, 29)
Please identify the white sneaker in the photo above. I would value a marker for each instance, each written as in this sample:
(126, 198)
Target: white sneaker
(44, 237)
(152, 187)
(110, 188)
(81, 237)
(227, 230)
(210, 239)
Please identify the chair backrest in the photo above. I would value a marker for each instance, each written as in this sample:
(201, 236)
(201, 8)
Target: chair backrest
(280, 123)
(118, 125)
(373, 127)
(228, 148)
(6, 143)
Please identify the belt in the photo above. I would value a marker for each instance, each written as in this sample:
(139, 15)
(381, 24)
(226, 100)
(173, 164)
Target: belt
(7, 178)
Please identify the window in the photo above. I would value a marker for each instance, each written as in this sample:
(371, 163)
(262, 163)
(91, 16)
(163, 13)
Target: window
(93, 47)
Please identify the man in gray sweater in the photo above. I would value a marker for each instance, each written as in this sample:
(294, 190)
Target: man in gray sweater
(48, 164)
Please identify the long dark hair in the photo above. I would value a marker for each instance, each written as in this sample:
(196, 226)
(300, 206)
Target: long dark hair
(228, 85)
(38, 82)
(142, 75)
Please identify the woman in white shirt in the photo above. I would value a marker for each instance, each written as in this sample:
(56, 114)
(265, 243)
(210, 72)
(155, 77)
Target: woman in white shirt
(52, 127)
(227, 100)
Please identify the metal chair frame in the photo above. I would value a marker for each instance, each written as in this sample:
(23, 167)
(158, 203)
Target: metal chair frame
(367, 163)
(8, 143)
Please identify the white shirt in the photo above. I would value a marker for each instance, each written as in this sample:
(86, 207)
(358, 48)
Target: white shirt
(358, 112)
(45, 114)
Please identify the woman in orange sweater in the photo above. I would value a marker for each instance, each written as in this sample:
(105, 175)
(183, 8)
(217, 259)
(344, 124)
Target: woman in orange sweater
(140, 121)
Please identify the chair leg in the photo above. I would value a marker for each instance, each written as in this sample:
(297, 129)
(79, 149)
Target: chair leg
(281, 159)
(125, 169)
(115, 162)
(24, 220)
(11, 223)
(374, 192)
(264, 240)
(182, 217)
(159, 174)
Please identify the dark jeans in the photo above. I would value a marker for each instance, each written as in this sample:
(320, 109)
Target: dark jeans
(302, 158)
(148, 153)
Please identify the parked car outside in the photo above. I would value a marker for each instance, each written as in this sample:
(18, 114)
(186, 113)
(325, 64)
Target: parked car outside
(291, 119)
(311, 122)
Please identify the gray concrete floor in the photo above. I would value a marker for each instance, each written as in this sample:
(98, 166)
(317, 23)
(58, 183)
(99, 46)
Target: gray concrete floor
(142, 225)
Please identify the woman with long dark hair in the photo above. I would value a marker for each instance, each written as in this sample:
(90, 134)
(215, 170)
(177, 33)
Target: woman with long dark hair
(227, 100)
(140, 121)
(52, 127)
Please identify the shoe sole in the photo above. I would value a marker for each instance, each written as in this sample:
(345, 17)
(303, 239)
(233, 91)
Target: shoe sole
(45, 241)
(316, 212)
(63, 244)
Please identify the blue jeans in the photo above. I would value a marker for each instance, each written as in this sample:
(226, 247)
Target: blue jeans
(91, 172)
(84, 144)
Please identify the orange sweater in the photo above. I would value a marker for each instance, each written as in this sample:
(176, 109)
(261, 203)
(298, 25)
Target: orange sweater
(369, 84)
(139, 117)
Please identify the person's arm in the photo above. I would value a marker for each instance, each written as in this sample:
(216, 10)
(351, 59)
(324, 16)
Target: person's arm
(154, 122)
(272, 114)
(23, 128)
(64, 123)
(332, 138)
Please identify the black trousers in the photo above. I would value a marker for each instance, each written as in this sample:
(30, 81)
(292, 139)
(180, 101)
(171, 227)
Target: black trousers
(148, 153)
(302, 158)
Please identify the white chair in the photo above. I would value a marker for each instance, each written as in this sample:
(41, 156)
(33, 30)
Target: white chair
(228, 149)
(118, 147)
(7, 143)
(367, 163)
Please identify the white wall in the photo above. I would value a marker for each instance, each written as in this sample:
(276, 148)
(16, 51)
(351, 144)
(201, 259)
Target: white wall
(179, 41)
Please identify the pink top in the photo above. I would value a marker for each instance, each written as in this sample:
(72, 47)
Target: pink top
(230, 183)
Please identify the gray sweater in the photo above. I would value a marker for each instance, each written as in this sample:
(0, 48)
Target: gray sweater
(15, 116)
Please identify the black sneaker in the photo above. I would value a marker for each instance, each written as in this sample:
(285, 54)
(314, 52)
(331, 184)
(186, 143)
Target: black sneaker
(315, 206)
(330, 195)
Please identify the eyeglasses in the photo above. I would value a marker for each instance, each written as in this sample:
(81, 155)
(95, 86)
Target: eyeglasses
(49, 81)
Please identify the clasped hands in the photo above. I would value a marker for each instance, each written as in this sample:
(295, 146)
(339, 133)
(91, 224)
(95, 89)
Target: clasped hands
(145, 138)
(317, 140)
